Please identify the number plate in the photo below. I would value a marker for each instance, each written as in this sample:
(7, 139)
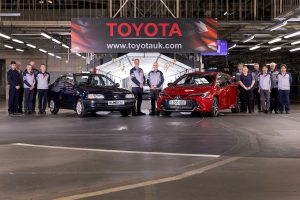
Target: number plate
(177, 102)
(117, 102)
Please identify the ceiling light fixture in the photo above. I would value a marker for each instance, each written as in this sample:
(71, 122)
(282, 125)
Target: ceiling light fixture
(78, 54)
(248, 39)
(255, 47)
(276, 48)
(7, 46)
(292, 34)
(4, 36)
(42, 50)
(21, 50)
(278, 26)
(233, 46)
(30, 45)
(66, 46)
(58, 57)
(296, 49)
(46, 35)
(18, 41)
(51, 54)
(296, 42)
(275, 40)
(56, 41)
(83, 57)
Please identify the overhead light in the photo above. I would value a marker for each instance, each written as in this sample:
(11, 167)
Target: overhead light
(51, 54)
(66, 46)
(225, 13)
(4, 36)
(255, 47)
(278, 26)
(83, 57)
(296, 49)
(248, 39)
(58, 57)
(50, 1)
(292, 34)
(10, 14)
(78, 54)
(7, 46)
(233, 46)
(21, 50)
(18, 41)
(275, 40)
(30, 45)
(276, 48)
(56, 41)
(42, 50)
(46, 35)
(297, 42)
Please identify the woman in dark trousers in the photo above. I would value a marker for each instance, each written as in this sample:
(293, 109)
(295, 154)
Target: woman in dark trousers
(246, 83)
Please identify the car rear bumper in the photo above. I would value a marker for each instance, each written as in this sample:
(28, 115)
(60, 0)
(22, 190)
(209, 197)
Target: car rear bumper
(102, 105)
(193, 104)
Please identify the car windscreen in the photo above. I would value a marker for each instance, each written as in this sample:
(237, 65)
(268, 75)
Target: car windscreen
(196, 79)
(93, 80)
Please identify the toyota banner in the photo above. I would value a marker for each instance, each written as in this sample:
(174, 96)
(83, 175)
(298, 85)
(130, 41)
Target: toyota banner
(122, 35)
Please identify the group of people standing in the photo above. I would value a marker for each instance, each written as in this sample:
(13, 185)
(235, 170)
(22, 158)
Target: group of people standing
(268, 86)
(155, 81)
(24, 86)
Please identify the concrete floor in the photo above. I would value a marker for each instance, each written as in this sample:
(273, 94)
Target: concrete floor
(232, 157)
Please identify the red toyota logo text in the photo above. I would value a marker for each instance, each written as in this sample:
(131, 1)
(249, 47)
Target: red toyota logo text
(149, 29)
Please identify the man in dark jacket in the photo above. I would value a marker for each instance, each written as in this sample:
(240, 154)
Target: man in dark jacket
(13, 79)
(155, 81)
(21, 90)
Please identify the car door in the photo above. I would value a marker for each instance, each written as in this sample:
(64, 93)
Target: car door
(56, 90)
(222, 91)
(232, 91)
(69, 92)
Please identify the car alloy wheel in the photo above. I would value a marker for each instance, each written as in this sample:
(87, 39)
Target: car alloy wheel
(215, 108)
(78, 107)
(53, 107)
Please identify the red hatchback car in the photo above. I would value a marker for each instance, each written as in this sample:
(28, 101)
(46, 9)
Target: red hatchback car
(206, 92)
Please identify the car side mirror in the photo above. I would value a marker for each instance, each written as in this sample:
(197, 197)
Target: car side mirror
(117, 85)
(170, 84)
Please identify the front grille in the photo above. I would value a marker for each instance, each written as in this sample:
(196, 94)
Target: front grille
(190, 105)
(114, 96)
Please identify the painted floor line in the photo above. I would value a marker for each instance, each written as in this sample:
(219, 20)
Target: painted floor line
(116, 151)
(151, 182)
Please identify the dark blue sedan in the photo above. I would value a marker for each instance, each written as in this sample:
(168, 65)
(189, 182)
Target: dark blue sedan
(89, 93)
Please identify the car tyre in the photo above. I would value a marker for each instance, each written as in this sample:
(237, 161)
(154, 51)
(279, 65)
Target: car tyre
(215, 108)
(53, 107)
(166, 113)
(125, 113)
(237, 107)
(80, 110)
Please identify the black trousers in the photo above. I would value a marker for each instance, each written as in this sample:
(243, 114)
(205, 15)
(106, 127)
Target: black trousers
(34, 98)
(154, 96)
(246, 100)
(284, 100)
(43, 98)
(20, 99)
(13, 99)
(274, 100)
(28, 95)
(138, 93)
(256, 99)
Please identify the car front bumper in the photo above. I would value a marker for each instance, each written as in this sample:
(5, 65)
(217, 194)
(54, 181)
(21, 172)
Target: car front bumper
(102, 105)
(193, 104)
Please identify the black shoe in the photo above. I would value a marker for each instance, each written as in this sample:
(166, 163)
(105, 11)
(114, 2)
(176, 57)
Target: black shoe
(134, 114)
(40, 112)
(152, 113)
(287, 112)
(10, 113)
(141, 113)
(44, 112)
(266, 112)
(281, 112)
(17, 114)
(157, 113)
(276, 112)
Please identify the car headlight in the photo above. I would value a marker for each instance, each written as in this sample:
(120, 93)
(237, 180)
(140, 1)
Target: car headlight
(202, 95)
(163, 94)
(129, 96)
(96, 96)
